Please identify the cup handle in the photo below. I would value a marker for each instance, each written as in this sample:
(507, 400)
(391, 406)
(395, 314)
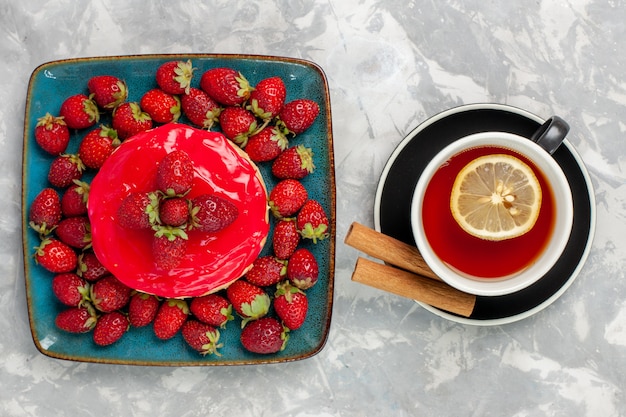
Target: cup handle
(551, 133)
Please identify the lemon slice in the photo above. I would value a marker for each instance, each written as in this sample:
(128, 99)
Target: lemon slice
(496, 197)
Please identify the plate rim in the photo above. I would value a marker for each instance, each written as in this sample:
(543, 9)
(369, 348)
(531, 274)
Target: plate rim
(40, 343)
(585, 173)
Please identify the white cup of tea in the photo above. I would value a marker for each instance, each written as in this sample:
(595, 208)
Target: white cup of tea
(483, 240)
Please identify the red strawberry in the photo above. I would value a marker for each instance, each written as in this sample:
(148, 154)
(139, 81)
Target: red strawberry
(56, 256)
(226, 86)
(285, 239)
(296, 162)
(107, 91)
(302, 269)
(248, 300)
(312, 221)
(64, 169)
(142, 309)
(70, 289)
(89, 267)
(212, 309)
(298, 115)
(52, 134)
(291, 305)
(238, 124)
(161, 106)
(110, 328)
(138, 210)
(169, 247)
(170, 318)
(79, 112)
(287, 197)
(128, 120)
(74, 199)
(174, 77)
(265, 335)
(175, 173)
(109, 294)
(266, 271)
(201, 337)
(45, 211)
(75, 232)
(211, 213)
(97, 145)
(266, 145)
(76, 319)
(174, 211)
(199, 108)
(268, 98)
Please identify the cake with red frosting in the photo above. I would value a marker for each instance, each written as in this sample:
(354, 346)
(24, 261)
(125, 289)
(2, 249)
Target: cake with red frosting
(213, 260)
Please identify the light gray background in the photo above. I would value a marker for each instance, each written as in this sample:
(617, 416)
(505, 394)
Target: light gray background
(391, 64)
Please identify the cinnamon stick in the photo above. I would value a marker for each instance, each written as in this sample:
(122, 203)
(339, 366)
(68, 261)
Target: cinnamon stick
(406, 284)
(388, 249)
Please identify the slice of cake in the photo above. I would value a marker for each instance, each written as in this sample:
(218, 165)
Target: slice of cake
(213, 260)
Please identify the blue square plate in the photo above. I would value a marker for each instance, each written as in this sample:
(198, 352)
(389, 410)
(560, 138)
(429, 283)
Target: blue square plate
(51, 83)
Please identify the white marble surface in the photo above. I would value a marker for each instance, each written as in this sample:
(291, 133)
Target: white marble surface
(391, 64)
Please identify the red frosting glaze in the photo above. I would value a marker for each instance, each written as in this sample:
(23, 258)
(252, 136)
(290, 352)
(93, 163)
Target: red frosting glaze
(213, 260)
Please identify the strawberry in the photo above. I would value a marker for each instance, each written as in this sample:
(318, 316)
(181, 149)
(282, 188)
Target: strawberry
(266, 271)
(312, 221)
(212, 213)
(296, 162)
(175, 173)
(76, 319)
(170, 318)
(56, 256)
(74, 199)
(128, 120)
(248, 300)
(138, 210)
(266, 145)
(226, 86)
(52, 134)
(238, 124)
(70, 289)
(64, 170)
(109, 294)
(265, 335)
(199, 108)
(285, 239)
(142, 308)
(45, 211)
(75, 232)
(287, 197)
(268, 98)
(212, 309)
(97, 145)
(110, 328)
(201, 337)
(89, 267)
(174, 77)
(291, 305)
(302, 269)
(79, 112)
(161, 106)
(174, 211)
(107, 91)
(298, 115)
(169, 247)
